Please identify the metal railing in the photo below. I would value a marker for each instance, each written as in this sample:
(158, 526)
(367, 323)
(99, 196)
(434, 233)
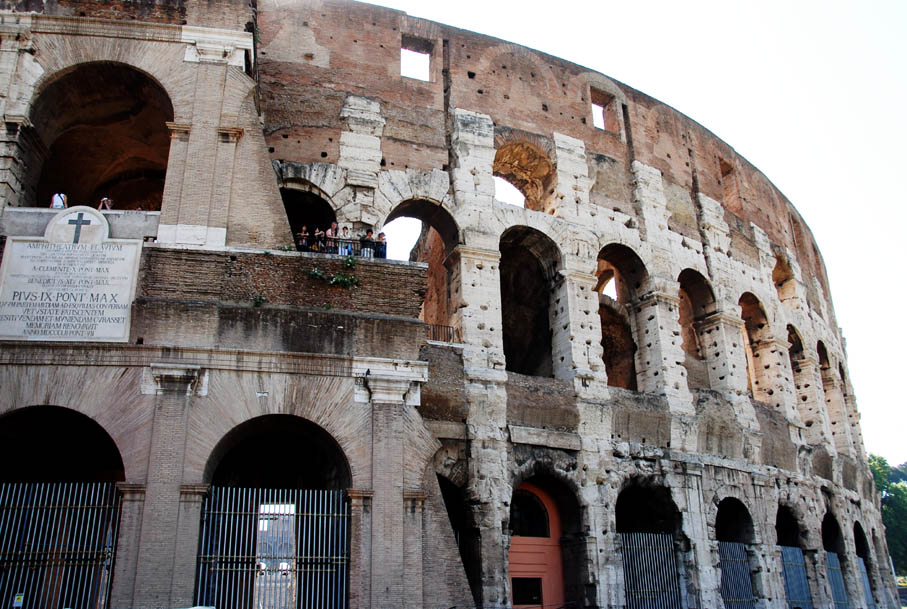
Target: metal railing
(273, 549)
(650, 571)
(343, 247)
(836, 580)
(442, 334)
(796, 583)
(57, 543)
(736, 580)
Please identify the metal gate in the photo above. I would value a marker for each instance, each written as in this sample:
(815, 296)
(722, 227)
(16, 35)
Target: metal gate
(650, 571)
(273, 549)
(57, 544)
(836, 580)
(796, 583)
(736, 581)
(867, 588)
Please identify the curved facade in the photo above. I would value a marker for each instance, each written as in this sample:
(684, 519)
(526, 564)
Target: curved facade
(648, 344)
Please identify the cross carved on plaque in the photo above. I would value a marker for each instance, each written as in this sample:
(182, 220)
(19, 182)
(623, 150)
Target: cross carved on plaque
(79, 223)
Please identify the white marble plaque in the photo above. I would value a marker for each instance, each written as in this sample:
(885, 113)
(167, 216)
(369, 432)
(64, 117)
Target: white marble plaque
(75, 284)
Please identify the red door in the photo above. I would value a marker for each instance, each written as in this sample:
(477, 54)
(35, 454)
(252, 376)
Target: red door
(536, 570)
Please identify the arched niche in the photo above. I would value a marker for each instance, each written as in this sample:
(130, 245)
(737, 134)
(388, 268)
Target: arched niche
(278, 451)
(528, 169)
(733, 522)
(529, 276)
(697, 301)
(836, 563)
(783, 279)
(798, 576)
(437, 240)
(621, 276)
(865, 561)
(755, 330)
(546, 556)
(104, 130)
(308, 209)
(55, 444)
(738, 562)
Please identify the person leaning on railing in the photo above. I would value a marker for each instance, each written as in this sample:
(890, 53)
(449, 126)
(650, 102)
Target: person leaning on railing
(367, 244)
(381, 246)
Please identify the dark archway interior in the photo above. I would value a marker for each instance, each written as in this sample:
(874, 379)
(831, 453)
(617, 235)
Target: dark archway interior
(787, 529)
(647, 509)
(696, 302)
(53, 444)
(618, 267)
(306, 208)
(618, 347)
(528, 517)
(529, 261)
(753, 317)
(832, 540)
(859, 539)
(104, 125)
(733, 522)
(279, 451)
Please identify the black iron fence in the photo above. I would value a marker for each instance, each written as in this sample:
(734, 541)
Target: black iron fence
(836, 579)
(736, 579)
(796, 582)
(650, 571)
(273, 549)
(57, 544)
(442, 334)
(343, 247)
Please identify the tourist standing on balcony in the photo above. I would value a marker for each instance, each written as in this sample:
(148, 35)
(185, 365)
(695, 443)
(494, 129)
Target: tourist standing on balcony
(346, 245)
(302, 238)
(330, 235)
(381, 246)
(319, 240)
(105, 203)
(59, 201)
(367, 244)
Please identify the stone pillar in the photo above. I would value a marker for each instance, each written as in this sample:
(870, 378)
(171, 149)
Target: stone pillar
(360, 156)
(475, 306)
(414, 510)
(173, 182)
(159, 543)
(360, 547)
(224, 168)
(659, 355)
(22, 155)
(774, 382)
(835, 405)
(721, 340)
(810, 398)
(127, 557)
(576, 342)
(186, 555)
(571, 201)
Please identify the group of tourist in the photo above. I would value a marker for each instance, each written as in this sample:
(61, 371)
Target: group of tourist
(61, 201)
(334, 240)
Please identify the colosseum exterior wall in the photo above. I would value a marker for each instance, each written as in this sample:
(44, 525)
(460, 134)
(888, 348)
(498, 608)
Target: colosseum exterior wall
(711, 369)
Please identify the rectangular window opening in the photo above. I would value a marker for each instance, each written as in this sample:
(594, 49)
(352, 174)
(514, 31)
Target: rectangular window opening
(604, 111)
(527, 591)
(415, 58)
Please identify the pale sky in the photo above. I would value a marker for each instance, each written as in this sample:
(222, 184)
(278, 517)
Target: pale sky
(813, 93)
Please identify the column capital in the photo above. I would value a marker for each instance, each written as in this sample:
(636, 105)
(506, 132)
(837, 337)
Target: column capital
(131, 491)
(193, 492)
(388, 381)
(230, 134)
(720, 318)
(475, 253)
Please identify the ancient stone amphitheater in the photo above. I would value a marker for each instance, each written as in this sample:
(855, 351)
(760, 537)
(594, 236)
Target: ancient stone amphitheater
(629, 391)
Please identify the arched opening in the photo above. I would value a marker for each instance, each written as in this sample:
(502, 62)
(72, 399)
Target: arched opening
(804, 378)
(465, 532)
(835, 558)
(59, 507)
(103, 126)
(309, 214)
(736, 556)
(696, 303)
(755, 330)
(832, 387)
(783, 278)
(621, 276)
(436, 237)
(530, 171)
(529, 279)
(276, 517)
(864, 562)
(789, 537)
(546, 548)
(649, 527)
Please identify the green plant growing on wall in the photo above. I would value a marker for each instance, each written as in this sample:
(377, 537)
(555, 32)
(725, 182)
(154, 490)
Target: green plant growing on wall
(343, 280)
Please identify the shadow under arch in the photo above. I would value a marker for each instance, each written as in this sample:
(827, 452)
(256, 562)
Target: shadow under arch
(433, 216)
(104, 130)
(278, 451)
(697, 301)
(529, 276)
(307, 207)
(57, 444)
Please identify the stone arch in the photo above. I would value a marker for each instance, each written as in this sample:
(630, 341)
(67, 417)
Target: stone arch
(308, 456)
(788, 530)
(784, 281)
(733, 522)
(116, 116)
(308, 208)
(562, 540)
(795, 351)
(621, 268)
(57, 444)
(529, 267)
(833, 389)
(755, 330)
(833, 543)
(697, 301)
(528, 168)
(864, 552)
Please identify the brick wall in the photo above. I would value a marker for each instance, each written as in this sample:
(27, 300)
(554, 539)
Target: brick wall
(385, 288)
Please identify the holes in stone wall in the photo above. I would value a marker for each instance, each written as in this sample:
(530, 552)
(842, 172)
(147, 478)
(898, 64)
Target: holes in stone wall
(696, 302)
(731, 188)
(785, 284)
(755, 331)
(621, 275)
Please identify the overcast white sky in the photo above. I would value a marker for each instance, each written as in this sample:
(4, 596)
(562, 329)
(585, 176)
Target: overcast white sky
(812, 93)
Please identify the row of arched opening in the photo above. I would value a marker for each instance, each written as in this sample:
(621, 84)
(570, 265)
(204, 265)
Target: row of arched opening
(270, 460)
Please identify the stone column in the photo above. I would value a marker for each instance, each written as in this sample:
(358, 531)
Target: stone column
(810, 399)
(834, 403)
(173, 182)
(576, 342)
(360, 156)
(659, 355)
(224, 169)
(127, 557)
(721, 338)
(774, 383)
(414, 509)
(476, 306)
(159, 543)
(571, 201)
(186, 555)
(360, 547)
